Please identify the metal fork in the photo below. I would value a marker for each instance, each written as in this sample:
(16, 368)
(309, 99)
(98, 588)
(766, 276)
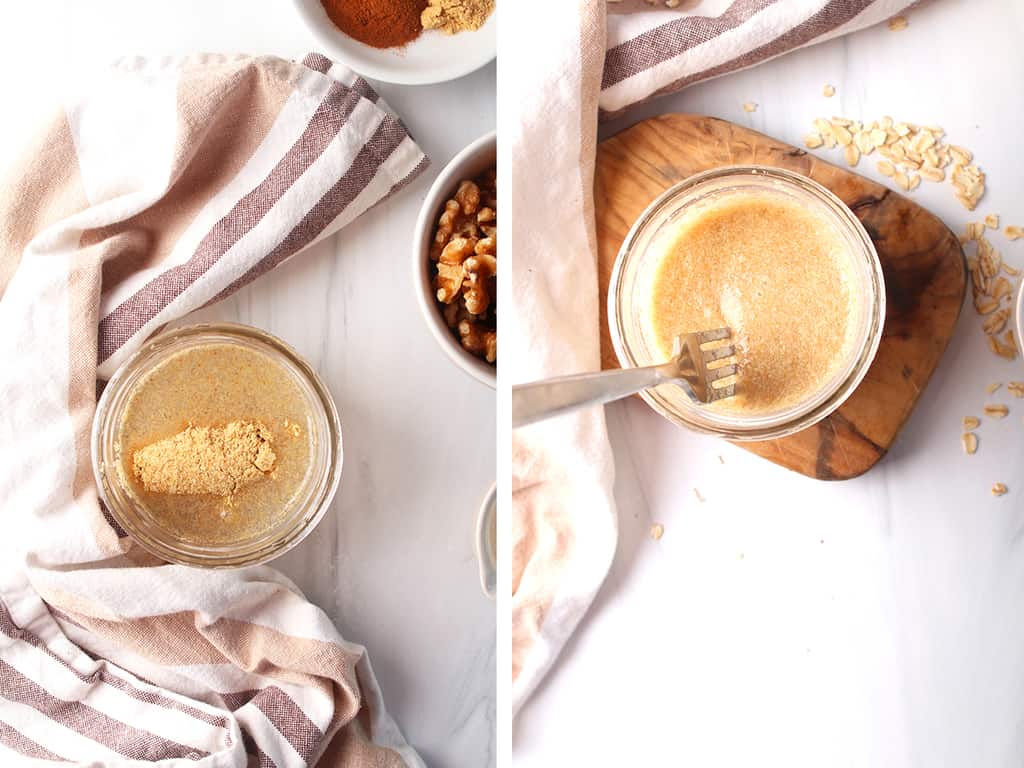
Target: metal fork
(688, 367)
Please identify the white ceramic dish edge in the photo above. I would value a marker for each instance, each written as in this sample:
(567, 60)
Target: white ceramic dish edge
(477, 157)
(484, 551)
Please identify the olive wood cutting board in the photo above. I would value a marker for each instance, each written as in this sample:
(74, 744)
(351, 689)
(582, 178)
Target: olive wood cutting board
(923, 262)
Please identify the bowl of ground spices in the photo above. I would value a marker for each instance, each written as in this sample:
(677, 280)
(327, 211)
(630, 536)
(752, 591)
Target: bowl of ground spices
(410, 42)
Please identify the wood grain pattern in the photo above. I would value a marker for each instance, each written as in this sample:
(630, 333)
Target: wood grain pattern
(922, 260)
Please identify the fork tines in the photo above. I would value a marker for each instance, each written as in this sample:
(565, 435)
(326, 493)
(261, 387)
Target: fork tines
(718, 373)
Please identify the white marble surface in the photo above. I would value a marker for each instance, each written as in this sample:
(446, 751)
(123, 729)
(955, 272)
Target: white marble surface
(789, 622)
(393, 562)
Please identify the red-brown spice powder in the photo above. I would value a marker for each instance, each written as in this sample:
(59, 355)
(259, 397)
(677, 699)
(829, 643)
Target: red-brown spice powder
(378, 23)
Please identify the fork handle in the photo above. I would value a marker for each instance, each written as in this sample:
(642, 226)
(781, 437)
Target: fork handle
(553, 397)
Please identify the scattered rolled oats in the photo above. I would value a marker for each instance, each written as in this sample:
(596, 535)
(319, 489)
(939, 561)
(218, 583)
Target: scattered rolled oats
(911, 153)
(969, 440)
(1006, 349)
(828, 91)
(971, 422)
(996, 411)
(995, 322)
(897, 23)
(999, 489)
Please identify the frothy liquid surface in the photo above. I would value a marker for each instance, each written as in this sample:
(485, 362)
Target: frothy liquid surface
(774, 271)
(209, 386)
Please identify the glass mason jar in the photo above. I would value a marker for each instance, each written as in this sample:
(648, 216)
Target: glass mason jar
(307, 505)
(637, 262)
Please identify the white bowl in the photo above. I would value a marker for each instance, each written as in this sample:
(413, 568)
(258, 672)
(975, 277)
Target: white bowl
(433, 57)
(1020, 316)
(486, 541)
(470, 162)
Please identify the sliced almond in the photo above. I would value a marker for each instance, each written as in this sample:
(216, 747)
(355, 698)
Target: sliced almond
(970, 442)
(996, 411)
(971, 422)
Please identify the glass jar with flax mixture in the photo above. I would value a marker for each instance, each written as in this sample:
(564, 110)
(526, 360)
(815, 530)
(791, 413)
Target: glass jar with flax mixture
(216, 446)
(781, 261)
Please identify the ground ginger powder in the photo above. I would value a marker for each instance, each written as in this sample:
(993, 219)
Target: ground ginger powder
(453, 16)
(207, 460)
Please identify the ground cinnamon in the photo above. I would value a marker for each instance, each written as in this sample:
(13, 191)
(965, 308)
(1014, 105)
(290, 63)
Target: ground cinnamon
(378, 23)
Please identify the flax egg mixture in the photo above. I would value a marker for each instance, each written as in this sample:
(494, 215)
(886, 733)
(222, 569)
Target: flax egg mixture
(215, 443)
(778, 274)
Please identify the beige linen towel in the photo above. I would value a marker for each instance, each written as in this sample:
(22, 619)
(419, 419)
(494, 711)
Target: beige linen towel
(591, 56)
(162, 187)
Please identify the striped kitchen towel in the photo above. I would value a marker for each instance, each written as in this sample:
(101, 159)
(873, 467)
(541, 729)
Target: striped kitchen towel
(591, 58)
(162, 186)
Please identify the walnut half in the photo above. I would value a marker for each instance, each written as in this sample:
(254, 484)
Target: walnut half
(465, 252)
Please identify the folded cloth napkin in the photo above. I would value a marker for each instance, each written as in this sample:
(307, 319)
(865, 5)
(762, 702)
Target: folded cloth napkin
(591, 57)
(164, 186)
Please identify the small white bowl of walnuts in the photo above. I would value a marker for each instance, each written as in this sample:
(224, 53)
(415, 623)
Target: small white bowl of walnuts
(455, 262)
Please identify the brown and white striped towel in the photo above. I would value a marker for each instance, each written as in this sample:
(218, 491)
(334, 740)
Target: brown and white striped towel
(164, 186)
(591, 57)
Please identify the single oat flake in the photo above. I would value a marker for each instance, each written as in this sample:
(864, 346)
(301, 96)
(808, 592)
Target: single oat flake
(970, 443)
(828, 91)
(999, 489)
(898, 23)
(750, 106)
(657, 531)
(971, 422)
(993, 387)
(996, 411)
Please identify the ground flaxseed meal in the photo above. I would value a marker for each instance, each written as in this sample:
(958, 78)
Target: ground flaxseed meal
(454, 16)
(214, 460)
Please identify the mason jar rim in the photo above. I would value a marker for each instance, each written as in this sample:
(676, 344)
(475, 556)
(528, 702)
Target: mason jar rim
(748, 427)
(275, 542)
